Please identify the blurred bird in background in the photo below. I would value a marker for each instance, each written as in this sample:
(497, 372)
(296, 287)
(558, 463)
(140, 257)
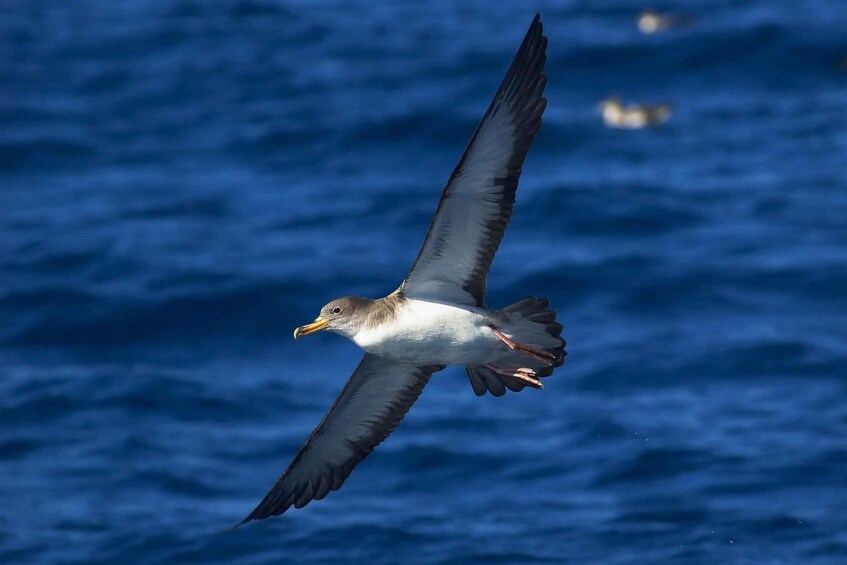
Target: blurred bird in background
(651, 21)
(633, 116)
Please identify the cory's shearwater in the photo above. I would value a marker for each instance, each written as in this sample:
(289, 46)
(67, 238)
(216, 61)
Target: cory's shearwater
(438, 317)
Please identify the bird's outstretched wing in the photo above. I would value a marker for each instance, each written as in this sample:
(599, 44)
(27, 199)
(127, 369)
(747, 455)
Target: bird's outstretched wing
(372, 403)
(477, 202)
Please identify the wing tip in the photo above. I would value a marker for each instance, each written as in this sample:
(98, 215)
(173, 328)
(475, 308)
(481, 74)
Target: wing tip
(231, 529)
(261, 512)
(525, 78)
(536, 26)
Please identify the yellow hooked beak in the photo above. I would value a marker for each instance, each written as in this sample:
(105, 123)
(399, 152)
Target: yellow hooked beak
(316, 326)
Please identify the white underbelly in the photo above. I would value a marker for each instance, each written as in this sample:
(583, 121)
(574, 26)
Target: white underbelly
(429, 333)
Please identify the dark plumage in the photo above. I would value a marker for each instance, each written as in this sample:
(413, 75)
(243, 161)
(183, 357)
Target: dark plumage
(311, 477)
(519, 96)
(536, 309)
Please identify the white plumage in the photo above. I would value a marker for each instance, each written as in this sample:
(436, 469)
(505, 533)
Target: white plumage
(431, 333)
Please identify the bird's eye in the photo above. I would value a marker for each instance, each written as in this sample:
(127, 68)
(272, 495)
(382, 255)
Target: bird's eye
(336, 310)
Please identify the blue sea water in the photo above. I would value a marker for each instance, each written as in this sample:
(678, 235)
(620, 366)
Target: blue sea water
(183, 183)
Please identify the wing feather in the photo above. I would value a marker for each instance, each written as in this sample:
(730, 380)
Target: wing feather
(476, 205)
(371, 405)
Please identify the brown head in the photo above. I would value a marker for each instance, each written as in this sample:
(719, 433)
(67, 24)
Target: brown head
(343, 316)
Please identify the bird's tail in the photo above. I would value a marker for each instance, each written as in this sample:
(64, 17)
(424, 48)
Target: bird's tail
(538, 348)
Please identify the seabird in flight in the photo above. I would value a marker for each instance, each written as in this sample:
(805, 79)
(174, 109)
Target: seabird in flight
(633, 116)
(438, 317)
(651, 21)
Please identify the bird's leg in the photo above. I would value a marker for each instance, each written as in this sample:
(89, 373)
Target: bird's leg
(524, 375)
(539, 354)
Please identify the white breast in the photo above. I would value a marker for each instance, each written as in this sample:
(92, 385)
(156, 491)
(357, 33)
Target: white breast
(431, 333)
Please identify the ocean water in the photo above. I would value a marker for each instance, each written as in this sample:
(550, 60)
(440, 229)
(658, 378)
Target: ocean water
(183, 183)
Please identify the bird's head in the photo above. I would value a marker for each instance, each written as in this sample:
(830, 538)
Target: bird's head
(342, 316)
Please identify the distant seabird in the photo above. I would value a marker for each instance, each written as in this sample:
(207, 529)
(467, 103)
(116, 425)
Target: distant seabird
(438, 317)
(650, 21)
(633, 116)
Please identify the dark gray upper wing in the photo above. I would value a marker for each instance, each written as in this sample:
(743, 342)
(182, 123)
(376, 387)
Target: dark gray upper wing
(372, 403)
(477, 202)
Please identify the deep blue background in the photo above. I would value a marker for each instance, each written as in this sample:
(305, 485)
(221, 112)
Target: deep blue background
(182, 183)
